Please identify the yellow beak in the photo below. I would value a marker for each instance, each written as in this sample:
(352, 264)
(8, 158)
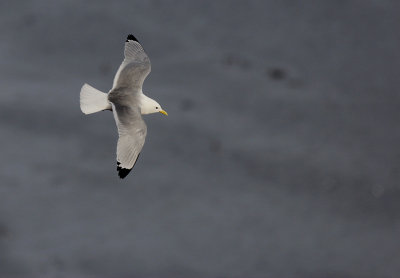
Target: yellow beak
(164, 112)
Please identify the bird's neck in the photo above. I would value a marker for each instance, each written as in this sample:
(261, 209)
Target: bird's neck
(145, 104)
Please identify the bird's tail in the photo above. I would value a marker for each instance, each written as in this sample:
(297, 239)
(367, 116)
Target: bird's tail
(93, 100)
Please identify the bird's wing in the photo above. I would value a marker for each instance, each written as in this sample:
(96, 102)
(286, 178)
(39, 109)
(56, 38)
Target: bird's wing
(132, 130)
(134, 68)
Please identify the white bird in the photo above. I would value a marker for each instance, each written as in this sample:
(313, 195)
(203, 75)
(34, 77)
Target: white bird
(127, 102)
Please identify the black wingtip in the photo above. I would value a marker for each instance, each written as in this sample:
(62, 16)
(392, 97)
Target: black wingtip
(123, 172)
(131, 38)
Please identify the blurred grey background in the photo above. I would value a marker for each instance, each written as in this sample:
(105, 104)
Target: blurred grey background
(279, 158)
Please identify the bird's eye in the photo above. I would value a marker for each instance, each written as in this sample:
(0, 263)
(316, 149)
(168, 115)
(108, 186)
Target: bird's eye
(156, 107)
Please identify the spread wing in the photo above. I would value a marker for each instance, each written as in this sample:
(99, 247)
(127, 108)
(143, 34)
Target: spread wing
(132, 129)
(134, 68)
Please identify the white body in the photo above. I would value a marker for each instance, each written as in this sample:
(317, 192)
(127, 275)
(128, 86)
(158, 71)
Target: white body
(93, 100)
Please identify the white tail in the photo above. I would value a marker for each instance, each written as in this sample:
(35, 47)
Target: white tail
(93, 100)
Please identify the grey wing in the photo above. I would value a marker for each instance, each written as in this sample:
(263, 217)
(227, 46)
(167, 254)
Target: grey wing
(134, 68)
(132, 132)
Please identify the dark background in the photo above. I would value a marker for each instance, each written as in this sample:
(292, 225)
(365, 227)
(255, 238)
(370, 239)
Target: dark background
(279, 158)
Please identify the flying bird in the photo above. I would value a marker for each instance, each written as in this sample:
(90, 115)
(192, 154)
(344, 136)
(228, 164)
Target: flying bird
(127, 102)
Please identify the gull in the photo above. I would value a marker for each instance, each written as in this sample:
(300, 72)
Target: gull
(127, 102)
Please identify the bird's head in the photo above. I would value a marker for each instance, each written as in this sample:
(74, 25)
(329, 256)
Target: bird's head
(157, 108)
(150, 106)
